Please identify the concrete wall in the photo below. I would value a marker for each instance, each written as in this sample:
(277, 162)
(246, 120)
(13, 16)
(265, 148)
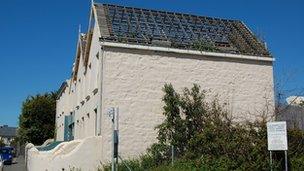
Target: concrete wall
(77, 154)
(133, 81)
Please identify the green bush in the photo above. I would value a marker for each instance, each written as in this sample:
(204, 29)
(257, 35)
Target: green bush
(205, 137)
(297, 163)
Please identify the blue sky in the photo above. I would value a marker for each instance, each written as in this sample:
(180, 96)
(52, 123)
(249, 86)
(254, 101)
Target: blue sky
(38, 40)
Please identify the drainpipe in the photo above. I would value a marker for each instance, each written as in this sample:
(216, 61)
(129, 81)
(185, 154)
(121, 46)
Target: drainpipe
(100, 70)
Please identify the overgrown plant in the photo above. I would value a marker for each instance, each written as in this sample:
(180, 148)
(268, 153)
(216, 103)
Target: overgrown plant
(205, 132)
(205, 137)
(203, 45)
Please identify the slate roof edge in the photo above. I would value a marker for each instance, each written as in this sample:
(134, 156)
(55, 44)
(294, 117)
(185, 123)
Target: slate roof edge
(61, 89)
(184, 51)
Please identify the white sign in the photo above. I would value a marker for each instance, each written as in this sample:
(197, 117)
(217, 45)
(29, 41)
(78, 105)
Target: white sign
(277, 136)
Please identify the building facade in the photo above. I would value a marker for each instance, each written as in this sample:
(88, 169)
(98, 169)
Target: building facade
(7, 134)
(128, 54)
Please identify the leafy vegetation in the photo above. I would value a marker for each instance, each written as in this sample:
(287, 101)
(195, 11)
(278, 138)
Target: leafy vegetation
(205, 137)
(202, 45)
(37, 119)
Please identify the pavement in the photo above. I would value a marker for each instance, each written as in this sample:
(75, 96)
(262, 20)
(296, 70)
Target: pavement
(17, 165)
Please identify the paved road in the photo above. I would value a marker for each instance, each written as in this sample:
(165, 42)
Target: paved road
(18, 165)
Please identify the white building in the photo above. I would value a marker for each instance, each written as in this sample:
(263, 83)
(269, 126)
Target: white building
(7, 134)
(127, 56)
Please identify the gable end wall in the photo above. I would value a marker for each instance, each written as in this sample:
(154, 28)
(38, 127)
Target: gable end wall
(133, 81)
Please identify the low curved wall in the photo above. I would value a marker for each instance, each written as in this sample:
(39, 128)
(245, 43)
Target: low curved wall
(84, 154)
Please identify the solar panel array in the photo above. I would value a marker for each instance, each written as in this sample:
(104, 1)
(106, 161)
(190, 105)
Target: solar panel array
(151, 27)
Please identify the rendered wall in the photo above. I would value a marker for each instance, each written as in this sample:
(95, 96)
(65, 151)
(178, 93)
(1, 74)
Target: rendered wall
(133, 81)
(74, 98)
(77, 154)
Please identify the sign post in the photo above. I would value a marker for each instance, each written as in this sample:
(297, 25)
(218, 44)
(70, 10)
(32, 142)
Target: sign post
(113, 113)
(277, 139)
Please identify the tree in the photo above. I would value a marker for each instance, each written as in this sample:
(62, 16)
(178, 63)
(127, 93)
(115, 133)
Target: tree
(37, 118)
(206, 137)
(171, 131)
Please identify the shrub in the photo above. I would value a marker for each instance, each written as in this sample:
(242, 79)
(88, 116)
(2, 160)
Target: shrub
(205, 137)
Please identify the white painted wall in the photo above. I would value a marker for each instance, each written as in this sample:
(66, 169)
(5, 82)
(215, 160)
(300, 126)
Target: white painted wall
(133, 81)
(77, 154)
(77, 91)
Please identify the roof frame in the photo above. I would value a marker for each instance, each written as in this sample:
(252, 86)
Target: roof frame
(152, 27)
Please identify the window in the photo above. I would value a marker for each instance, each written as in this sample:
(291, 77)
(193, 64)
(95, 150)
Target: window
(88, 98)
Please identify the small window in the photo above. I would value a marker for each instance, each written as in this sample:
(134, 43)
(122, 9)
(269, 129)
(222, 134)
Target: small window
(95, 91)
(88, 98)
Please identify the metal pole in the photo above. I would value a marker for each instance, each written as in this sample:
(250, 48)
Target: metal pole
(113, 134)
(116, 117)
(286, 164)
(113, 114)
(270, 152)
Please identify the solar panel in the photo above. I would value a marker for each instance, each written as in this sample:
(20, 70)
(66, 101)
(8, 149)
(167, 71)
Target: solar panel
(177, 30)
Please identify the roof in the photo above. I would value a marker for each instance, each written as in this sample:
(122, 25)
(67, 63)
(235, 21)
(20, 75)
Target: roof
(6, 131)
(169, 29)
(61, 89)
